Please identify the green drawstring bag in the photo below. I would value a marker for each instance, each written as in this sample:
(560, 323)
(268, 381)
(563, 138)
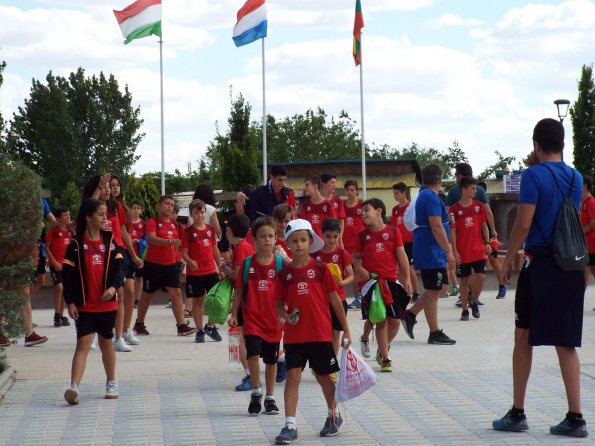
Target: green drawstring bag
(218, 301)
(377, 312)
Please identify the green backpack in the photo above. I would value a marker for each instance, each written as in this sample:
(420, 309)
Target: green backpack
(218, 301)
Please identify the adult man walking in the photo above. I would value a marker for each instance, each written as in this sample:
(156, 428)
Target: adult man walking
(262, 201)
(549, 301)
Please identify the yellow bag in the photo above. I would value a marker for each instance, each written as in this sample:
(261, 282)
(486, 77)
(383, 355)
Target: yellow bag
(335, 271)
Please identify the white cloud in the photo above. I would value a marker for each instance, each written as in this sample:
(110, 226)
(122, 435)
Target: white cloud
(449, 19)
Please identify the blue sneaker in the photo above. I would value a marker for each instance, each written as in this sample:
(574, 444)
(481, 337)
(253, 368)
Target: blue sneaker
(213, 333)
(199, 337)
(281, 372)
(501, 292)
(287, 436)
(509, 424)
(245, 385)
(332, 426)
(570, 429)
(356, 304)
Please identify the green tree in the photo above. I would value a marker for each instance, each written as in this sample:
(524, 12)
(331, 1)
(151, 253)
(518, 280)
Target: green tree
(233, 156)
(20, 223)
(2, 67)
(502, 163)
(70, 198)
(145, 190)
(583, 123)
(70, 129)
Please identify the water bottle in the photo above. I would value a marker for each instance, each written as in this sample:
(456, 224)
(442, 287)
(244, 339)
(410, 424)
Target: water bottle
(234, 345)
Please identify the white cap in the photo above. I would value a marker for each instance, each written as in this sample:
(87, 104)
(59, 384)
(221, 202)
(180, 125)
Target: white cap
(304, 225)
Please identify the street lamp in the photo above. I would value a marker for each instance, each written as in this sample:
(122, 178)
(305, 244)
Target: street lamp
(562, 106)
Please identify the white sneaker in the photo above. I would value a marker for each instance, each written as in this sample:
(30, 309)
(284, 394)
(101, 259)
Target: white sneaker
(72, 395)
(94, 342)
(111, 390)
(121, 346)
(168, 304)
(130, 338)
(365, 348)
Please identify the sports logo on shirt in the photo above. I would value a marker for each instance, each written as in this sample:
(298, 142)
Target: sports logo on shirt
(460, 212)
(468, 222)
(335, 258)
(333, 361)
(108, 225)
(85, 247)
(380, 247)
(170, 233)
(399, 220)
(302, 288)
(96, 258)
(336, 205)
(311, 273)
(59, 234)
(349, 221)
(206, 242)
(66, 241)
(271, 273)
(102, 247)
(315, 219)
(385, 236)
(209, 233)
(263, 285)
(477, 209)
(308, 209)
(325, 208)
(251, 270)
(194, 234)
(289, 276)
(368, 237)
(319, 258)
(359, 212)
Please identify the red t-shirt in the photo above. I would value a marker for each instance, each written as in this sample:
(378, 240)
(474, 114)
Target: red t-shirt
(241, 251)
(307, 289)
(341, 258)
(162, 254)
(260, 316)
(181, 229)
(338, 206)
(468, 221)
(94, 258)
(200, 244)
(353, 225)
(114, 223)
(317, 213)
(290, 198)
(588, 214)
(57, 240)
(378, 249)
(137, 230)
(396, 220)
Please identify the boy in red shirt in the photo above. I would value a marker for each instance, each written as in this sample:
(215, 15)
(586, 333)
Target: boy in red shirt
(160, 267)
(282, 214)
(380, 251)
(396, 220)
(202, 257)
(316, 209)
(261, 330)
(331, 253)
(238, 227)
(307, 286)
(470, 243)
(329, 185)
(588, 223)
(137, 232)
(56, 242)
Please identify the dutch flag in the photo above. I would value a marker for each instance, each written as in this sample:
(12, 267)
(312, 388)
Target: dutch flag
(252, 23)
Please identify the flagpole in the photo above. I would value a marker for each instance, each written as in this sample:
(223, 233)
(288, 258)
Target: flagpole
(162, 133)
(264, 123)
(361, 98)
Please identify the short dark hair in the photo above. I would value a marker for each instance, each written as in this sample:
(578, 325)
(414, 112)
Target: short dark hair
(401, 187)
(588, 182)
(137, 203)
(196, 204)
(326, 177)
(166, 197)
(465, 182)
(205, 193)
(549, 134)
(239, 225)
(331, 224)
(376, 203)
(278, 171)
(431, 174)
(351, 183)
(281, 210)
(260, 222)
(464, 170)
(314, 179)
(59, 211)
(87, 209)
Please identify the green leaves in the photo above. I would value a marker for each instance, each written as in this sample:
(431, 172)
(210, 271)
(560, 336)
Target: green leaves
(583, 123)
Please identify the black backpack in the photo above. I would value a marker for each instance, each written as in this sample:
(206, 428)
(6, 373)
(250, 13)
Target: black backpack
(570, 246)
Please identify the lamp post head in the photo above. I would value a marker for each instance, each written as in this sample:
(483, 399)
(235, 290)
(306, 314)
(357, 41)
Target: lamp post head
(562, 106)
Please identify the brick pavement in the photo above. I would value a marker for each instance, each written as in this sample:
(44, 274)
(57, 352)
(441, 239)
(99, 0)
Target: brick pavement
(176, 392)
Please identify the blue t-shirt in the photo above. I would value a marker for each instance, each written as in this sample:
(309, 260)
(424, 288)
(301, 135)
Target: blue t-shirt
(46, 207)
(454, 195)
(427, 253)
(539, 189)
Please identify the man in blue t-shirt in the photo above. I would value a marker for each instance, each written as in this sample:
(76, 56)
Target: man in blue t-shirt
(549, 301)
(431, 254)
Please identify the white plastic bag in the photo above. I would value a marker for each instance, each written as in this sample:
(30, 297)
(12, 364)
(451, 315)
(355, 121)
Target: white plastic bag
(355, 377)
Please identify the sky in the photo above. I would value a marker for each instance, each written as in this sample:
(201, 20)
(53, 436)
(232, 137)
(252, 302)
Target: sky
(434, 71)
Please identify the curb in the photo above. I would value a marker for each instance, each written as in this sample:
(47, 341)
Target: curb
(7, 379)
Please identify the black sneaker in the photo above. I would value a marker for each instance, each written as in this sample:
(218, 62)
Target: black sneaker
(570, 429)
(475, 310)
(270, 406)
(65, 321)
(440, 338)
(408, 323)
(510, 424)
(57, 320)
(286, 436)
(213, 333)
(332, 426)
(415, 297)
(255, 404)
(465, 315)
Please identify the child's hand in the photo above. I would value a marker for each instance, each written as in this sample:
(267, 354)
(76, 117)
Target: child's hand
(193, 265)
(138, 262)
(108, 295)
(346, 339)
(408, 288)
(73, 312)
(57, 266)
(233, 321)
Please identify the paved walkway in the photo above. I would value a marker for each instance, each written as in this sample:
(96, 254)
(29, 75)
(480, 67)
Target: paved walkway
(176, 392)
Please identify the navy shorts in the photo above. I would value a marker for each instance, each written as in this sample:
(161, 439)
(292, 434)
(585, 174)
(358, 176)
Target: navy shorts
(478, 267)
(256, 346)
(319, 355)
(549, 302)
(129, 265)
(335, 320)
(592, 259)
(434, 279)
(100, 323)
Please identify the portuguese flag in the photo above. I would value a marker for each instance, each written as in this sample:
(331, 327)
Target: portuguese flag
(140, 19)
(358, 24)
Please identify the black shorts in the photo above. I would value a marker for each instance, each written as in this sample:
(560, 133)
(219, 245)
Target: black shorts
(41, 260)
(394, 310)
(319, 355)
(100, 323)
(198, 286)
(256, 346)
(56, 275)
(138, 272)
(409, 251)
(241, 316)
(129, 265)
(434, 279)
(549, 303)
(335, 320)
(478, 267)
(156, 276)
(592, 259)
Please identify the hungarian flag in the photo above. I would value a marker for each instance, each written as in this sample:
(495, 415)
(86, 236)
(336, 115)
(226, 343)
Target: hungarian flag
(358, 24)
(140, 19)
(252, 23)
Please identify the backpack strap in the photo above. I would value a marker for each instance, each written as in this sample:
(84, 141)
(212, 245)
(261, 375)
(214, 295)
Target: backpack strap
(278, 263)
(246, 270)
